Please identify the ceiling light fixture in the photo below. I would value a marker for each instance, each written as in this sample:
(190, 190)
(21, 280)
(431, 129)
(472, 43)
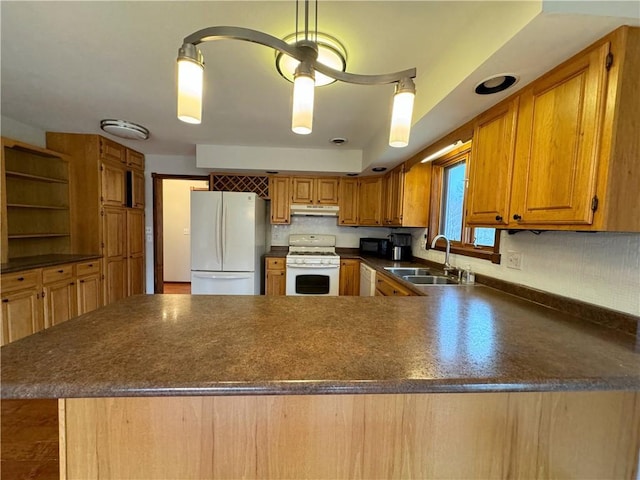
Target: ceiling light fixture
(496, 83)
(306, 50)
(124, 129)
(442, 151)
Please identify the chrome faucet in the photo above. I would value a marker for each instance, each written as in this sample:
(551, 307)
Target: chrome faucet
(447, 266)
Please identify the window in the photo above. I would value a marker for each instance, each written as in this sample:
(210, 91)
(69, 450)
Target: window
(448, 209)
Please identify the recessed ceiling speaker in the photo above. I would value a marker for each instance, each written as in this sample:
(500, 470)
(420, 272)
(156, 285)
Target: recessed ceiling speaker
(124, 129)
(496, 83)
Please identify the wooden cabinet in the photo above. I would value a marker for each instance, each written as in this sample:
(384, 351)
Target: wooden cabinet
(406, 196)
(576, 146)
(35, 209)
(314, 190)
(114, 254)
(135, 251)
(393, 190)
(109, 186)
(21, 311)
(348, 201)
(276, 280)
(88, 286)
(370, 191)
(388, 287)
(349, 277)
(59, 293)
(279, 191)
(491, 165)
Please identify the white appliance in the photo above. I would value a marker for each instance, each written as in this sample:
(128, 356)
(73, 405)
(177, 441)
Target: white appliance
(312, 265)
(227, 242)
(367, 281)
(315, 210)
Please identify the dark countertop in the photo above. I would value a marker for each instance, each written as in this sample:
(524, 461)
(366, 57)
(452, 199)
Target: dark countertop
(39, 261)
(461, 339)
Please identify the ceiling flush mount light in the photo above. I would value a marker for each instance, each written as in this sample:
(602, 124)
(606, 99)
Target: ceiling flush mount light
(442, 152)
(309, 67)
(379, 169)
(496, 83)
(124, 129)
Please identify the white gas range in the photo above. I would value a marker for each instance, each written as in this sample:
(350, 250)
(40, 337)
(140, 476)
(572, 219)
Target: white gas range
(313, 266)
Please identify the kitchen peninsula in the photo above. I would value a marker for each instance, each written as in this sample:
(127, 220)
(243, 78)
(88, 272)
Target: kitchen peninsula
(460, 382)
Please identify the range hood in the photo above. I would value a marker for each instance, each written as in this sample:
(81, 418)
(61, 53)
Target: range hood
(315, 210)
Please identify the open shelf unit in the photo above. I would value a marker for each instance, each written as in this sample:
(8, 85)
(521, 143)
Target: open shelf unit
(35, 201)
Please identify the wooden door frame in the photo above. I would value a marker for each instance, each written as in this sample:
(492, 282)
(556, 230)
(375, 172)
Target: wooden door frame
(158, 242)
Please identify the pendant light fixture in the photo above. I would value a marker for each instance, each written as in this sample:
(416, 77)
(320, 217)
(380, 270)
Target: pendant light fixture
(310, 72)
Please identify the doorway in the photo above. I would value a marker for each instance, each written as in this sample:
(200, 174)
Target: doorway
(171, 230)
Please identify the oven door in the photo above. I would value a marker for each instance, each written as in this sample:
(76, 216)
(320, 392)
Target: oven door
(313, 279)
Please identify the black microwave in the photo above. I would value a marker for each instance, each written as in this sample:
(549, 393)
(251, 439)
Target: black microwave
(378, 247)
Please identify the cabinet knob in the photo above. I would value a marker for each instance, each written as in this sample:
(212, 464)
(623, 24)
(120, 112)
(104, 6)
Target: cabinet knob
(81, 281)
(60, 271)
(498, 218)
(5, 300)
(21, 279)
(517, 217)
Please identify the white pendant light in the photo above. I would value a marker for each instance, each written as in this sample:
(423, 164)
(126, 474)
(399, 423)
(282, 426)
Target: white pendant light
(190, 81)
(402, 113)
(303, 95)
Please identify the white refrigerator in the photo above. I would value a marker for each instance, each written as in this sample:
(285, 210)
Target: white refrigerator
(228, 231)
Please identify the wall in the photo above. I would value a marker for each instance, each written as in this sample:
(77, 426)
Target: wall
(598, 268)
(176, 228)
(346, 237)
(25, 133)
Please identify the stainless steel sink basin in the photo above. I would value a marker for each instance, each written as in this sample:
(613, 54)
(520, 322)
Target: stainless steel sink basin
(404, 271)
(430, 280)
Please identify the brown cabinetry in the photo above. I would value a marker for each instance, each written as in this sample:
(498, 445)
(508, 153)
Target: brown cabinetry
(109, 199)
(407, 196)
(59, 302)
(276, 280)
(387, 287)
(349, 277)
(348, 201)
(279, 191)
(21, 311)
(314, 190)
(491, 165)
(370, 191)
(88, 286)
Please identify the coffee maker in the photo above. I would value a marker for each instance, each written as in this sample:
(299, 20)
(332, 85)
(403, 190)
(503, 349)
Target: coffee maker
(400, 246)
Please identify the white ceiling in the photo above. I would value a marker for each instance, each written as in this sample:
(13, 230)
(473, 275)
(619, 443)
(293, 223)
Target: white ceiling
(67, 65)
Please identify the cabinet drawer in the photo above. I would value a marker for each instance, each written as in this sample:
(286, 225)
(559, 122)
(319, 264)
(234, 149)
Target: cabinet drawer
(275, 263)
(88, 268)
(59, 272)
(390, 288)
(20, 280)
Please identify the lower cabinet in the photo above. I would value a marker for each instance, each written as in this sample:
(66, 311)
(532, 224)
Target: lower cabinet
(276, 279)
(349, 277)
(33, 300)
(387, 287)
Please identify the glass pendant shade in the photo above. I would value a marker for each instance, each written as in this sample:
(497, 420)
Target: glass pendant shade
(401, 119)
(190, 77)
(330, 53)
(303, 93)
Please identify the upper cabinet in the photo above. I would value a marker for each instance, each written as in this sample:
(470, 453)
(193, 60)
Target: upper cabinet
(491, 165)
(314, 190)
(279, 192)
(406, 199)
(370, 190)
(348, 201)
(574, 164)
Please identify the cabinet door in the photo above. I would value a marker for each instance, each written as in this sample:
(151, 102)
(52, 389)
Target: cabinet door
(302, 190)
(276, 282)
(349, 277)
(135, 159)
(135, 251)
(135, 275)
(559, 129)
(389, 288)
(115, 279)
(348, 201)
(59, 302)
(393, 184)
(327, 191)
(370, 201)
(491, 166)
(114, 231)
(113, 185)
(137, 190)
(20, 315)
(279, 193)
(112, 151)
(89, 293)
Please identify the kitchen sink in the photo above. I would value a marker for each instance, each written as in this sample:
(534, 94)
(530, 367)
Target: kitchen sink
(406, 271)
(430, 280)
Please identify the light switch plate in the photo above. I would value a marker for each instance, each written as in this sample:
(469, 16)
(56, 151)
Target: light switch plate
(514, 260)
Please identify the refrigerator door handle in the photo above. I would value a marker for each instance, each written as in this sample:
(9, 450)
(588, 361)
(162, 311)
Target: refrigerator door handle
(222, 276)
(219, 239)
(224, 230)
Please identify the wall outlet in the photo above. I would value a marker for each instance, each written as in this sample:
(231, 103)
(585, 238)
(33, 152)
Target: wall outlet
(148, 230)
(185, 231)
(514, 260)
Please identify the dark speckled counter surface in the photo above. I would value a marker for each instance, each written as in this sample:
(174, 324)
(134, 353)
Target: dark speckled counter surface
(462, 339)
